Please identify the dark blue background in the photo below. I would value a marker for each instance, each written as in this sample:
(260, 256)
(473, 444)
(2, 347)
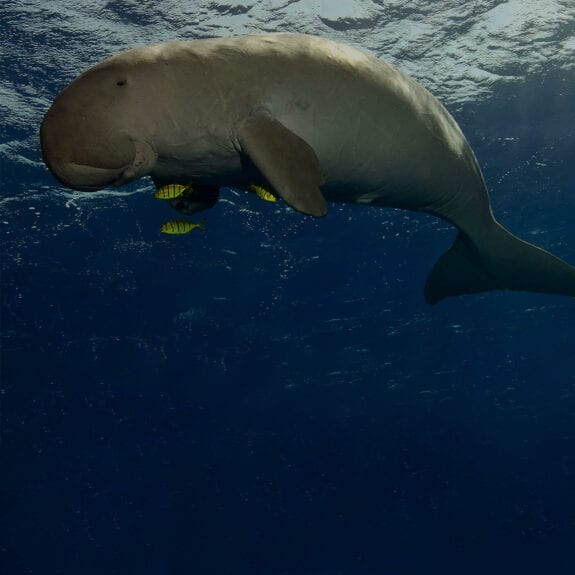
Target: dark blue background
(273, 396)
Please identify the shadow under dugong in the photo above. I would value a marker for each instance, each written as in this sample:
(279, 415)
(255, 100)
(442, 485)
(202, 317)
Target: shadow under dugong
(307, 118)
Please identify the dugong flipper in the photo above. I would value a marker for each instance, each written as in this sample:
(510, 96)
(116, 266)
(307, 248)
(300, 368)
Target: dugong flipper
(287, 162)
(307, 118)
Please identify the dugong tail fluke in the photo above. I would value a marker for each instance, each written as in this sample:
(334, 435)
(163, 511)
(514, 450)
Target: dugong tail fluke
(499, 261)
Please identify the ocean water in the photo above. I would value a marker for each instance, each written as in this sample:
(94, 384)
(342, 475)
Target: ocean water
(273, 395)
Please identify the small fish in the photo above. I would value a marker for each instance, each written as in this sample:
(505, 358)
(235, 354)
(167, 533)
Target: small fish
(180, 227)
(172, 191)
(262, 193)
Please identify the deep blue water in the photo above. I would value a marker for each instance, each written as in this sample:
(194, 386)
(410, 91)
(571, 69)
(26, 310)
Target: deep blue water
(273, 396)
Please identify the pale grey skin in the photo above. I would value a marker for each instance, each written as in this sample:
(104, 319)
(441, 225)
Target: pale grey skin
(307, 118)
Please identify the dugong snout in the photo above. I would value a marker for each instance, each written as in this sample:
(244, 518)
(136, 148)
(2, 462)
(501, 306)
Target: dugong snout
(87, 150)
(81, 163)
(92, 164)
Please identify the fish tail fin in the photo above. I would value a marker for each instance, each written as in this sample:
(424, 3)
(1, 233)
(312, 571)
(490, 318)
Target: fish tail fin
(499, 261)
(202, 224)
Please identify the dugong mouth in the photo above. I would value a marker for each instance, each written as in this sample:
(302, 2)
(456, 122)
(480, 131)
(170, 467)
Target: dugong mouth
(89, 178)
(85, 178)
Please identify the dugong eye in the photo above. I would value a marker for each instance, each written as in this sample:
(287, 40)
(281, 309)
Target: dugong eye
(121, 83)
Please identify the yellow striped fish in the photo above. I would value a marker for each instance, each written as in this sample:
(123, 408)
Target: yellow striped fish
(262, 193)
(180, 227)
(172, 191)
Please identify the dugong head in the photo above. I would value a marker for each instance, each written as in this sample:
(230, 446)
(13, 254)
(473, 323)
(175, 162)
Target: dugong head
(96, 133)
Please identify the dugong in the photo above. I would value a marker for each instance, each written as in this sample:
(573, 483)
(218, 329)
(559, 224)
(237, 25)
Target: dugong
(308, 119)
